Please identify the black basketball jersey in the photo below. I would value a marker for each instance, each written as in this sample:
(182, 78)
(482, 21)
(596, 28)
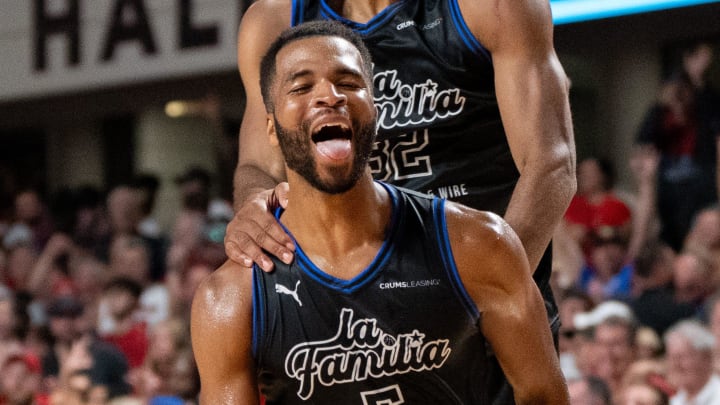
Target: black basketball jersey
(404, 330)
(439, 128)
(439, 125)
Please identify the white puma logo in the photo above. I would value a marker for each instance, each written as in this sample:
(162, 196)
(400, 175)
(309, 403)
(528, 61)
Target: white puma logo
(281, 289)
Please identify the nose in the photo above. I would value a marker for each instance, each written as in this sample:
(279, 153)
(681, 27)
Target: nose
(328, 95)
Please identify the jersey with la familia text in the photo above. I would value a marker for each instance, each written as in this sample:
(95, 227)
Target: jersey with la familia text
(439, 125)
(402, 331)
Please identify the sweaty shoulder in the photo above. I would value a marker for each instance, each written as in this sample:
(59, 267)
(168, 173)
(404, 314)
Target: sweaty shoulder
(487, 251)
(225, 296)
(222, 313)
(471, 227)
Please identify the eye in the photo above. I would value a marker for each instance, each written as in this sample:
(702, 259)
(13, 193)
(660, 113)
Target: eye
(300, 89)
(350, 85)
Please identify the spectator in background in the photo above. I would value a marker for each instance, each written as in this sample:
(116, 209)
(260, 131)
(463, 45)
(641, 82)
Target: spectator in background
(191, 223)
(694, 278)
(148, 185)
(88, 275)
(615, 339)
(21, 380)
(689, 348)
(182, 284)
(613, 328)
(589, 391)
(166, 340)
(653, 300)
(50, 276)
(712, 309)
(9, 322)
(73, 352)
(607, 274)
(595, 205)
(21, 258)
(647, 372)
(570, 341)
(597, 214)
(194, 185)
(92, 225)
(131, 258)
(125, 211)
(129, 333)
(32, 221)
(683, 126)
(704, 233)
(643, 393)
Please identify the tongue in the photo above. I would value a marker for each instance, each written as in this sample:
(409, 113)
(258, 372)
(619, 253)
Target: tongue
(335, 148)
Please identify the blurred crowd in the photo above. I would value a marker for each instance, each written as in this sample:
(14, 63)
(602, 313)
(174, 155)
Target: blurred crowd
(637, 273)
(95, 298)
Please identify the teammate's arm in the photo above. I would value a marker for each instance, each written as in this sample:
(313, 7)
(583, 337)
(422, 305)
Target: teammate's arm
(494, 270)
(532, 93)
(260, 166)
(221, 329)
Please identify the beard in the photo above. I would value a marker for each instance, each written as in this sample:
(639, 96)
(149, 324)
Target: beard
(297, 145)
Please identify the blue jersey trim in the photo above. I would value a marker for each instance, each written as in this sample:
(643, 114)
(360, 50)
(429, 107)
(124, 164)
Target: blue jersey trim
(465, 34)
(374, 23)
(448, 258)
(296, 12)
(365, 276)
(258, 312)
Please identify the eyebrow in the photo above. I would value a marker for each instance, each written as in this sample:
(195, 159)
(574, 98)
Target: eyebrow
(291, 77)
(307, 72)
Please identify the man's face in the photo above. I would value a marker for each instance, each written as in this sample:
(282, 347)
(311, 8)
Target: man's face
(324, 117)
(688, 368)
(614, 343)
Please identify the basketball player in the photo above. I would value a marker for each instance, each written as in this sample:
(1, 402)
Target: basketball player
(473, 106)
(392, 294)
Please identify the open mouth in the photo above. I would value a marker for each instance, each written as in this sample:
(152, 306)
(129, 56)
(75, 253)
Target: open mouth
(333, 141)
(330, 132)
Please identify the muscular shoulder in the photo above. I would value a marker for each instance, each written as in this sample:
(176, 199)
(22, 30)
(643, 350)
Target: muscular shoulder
(221, 330)
(482, 230)
(488, 254)
(224, 297)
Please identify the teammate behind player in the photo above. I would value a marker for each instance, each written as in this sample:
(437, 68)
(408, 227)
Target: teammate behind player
(392, 295)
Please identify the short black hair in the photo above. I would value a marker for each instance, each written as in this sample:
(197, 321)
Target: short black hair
(324, 28)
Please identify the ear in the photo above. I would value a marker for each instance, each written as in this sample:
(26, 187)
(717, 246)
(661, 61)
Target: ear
(271, 130)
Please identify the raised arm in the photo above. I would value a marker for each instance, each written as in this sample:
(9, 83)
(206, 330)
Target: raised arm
(532, 93)
(260, 165)
(495, 272)
(221, 330)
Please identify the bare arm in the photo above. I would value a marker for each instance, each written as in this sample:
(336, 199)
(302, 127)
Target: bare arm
(260, 165)
(532, 93)
(221, 330)
(495, 272)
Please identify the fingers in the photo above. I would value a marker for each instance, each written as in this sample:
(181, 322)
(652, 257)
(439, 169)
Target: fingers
(281, 192)
(254, 231)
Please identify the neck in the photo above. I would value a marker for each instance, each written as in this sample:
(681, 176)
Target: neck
(340, 233)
